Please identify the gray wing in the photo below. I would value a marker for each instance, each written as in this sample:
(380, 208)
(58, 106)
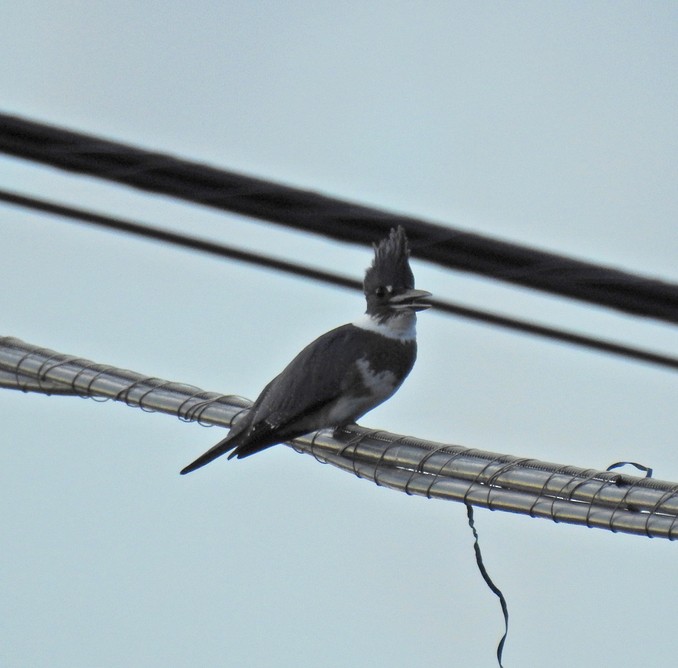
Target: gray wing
(315, 378)
(287, 406)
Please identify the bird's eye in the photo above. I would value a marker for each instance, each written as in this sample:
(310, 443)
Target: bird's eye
(380, 291)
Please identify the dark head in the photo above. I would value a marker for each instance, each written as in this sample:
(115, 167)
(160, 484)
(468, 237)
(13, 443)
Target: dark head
(389, 282)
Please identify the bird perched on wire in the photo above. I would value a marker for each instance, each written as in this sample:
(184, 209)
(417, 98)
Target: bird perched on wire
(344, 373)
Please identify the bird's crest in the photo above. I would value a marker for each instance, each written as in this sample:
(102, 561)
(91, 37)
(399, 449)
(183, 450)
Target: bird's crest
(391, 262)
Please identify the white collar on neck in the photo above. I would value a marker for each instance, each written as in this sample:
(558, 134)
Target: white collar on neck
(402, 327)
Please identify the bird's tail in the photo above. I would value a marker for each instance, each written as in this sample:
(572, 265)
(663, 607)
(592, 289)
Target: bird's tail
(222, 447)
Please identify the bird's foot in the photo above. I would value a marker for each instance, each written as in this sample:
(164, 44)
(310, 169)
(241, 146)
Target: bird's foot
(341, 433)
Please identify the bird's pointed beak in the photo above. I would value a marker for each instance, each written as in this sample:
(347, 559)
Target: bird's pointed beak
(414, 300)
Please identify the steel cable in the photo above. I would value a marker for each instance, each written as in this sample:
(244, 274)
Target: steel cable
(600, 499)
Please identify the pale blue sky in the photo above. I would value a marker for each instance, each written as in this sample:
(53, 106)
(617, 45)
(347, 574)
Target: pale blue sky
(550, 124)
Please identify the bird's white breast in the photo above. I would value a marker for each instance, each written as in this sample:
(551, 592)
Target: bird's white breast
(380, 384)
(377, 387)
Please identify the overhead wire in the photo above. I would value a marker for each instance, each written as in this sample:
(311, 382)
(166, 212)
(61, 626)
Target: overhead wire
(335, 218)
(587, 497)
(222, 250)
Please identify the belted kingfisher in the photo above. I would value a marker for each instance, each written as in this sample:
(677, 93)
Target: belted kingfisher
(344, 373)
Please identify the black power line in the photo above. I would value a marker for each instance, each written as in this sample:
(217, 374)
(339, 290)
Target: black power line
(222, 250)
(335, 218)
